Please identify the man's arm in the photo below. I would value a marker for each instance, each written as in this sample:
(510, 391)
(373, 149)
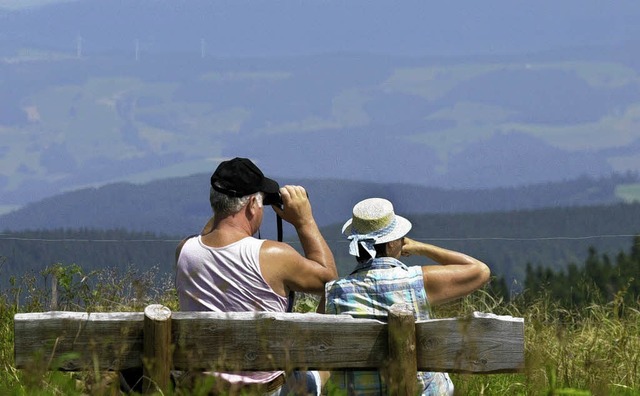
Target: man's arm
(181, 244)
(306, 273)
(457, 275)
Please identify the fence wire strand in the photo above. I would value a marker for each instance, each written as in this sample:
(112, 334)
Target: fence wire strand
(11, 237)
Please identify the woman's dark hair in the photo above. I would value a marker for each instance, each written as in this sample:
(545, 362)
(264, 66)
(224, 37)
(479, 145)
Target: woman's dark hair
(363, 255)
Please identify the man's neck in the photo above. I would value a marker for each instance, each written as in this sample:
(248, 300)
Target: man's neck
(228, 230)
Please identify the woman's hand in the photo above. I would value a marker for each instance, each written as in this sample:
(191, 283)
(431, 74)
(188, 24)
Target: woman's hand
(409, 246)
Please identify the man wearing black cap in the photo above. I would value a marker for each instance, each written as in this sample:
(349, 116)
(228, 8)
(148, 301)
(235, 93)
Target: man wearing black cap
(226, 269)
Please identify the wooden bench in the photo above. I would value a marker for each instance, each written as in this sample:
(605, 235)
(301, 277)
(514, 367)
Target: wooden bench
(160, 340)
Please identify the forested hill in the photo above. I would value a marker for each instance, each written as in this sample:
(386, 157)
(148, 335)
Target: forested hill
(179, 206)
(507, 241)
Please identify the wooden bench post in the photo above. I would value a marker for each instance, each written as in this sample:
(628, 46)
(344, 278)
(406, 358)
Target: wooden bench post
(157, 350)
(402, 365)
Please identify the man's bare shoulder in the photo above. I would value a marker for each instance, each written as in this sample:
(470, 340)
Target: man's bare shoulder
(276, 248)
(181, 245)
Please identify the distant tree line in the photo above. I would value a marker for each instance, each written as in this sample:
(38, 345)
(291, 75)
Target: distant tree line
(508, 241)
(525, 249)
(118, 249)
(600, 280)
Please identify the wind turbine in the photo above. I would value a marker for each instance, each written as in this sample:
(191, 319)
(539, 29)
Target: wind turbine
(79, 46)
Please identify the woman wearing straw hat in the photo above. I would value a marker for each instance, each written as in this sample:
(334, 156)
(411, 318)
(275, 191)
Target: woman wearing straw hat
(380, 280)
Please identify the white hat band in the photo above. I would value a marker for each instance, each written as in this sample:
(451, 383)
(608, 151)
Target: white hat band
(367, 241)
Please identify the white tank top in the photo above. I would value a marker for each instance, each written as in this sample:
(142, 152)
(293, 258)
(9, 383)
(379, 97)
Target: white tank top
(226, 279)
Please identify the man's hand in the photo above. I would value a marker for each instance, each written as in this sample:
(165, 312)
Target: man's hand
(296, 208)
(279, 261)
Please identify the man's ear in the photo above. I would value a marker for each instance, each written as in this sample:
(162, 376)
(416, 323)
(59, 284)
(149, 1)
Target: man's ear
(253, 206)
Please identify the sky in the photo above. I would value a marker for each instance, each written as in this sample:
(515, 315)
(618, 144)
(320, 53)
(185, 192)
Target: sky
(28, 4)
(409, 27)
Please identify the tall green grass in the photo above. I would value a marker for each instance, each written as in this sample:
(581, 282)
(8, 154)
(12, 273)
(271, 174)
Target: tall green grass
(594, 351)
(105, 290)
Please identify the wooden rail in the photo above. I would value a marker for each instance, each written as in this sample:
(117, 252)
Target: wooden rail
(160, 340)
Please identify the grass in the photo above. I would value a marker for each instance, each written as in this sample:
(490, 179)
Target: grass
(595, 351)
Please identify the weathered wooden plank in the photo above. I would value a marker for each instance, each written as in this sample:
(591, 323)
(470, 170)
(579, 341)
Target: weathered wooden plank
(266, 341)
(482, 343)
(72, 340)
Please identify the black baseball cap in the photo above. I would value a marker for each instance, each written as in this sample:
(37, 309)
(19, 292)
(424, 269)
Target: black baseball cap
(239, 177)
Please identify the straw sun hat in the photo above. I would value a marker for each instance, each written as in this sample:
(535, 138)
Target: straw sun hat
(373, 222)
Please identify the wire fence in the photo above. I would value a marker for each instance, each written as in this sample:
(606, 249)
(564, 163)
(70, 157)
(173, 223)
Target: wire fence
(11, 237)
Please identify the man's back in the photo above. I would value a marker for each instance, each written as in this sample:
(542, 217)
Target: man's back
(224, 279)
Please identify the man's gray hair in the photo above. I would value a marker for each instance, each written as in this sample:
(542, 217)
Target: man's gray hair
(225, 205)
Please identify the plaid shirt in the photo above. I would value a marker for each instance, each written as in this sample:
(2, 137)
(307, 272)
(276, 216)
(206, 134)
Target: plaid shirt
(369, 292)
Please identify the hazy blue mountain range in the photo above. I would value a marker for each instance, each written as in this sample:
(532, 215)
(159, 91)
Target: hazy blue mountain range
(180, 206)
(463, 95)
